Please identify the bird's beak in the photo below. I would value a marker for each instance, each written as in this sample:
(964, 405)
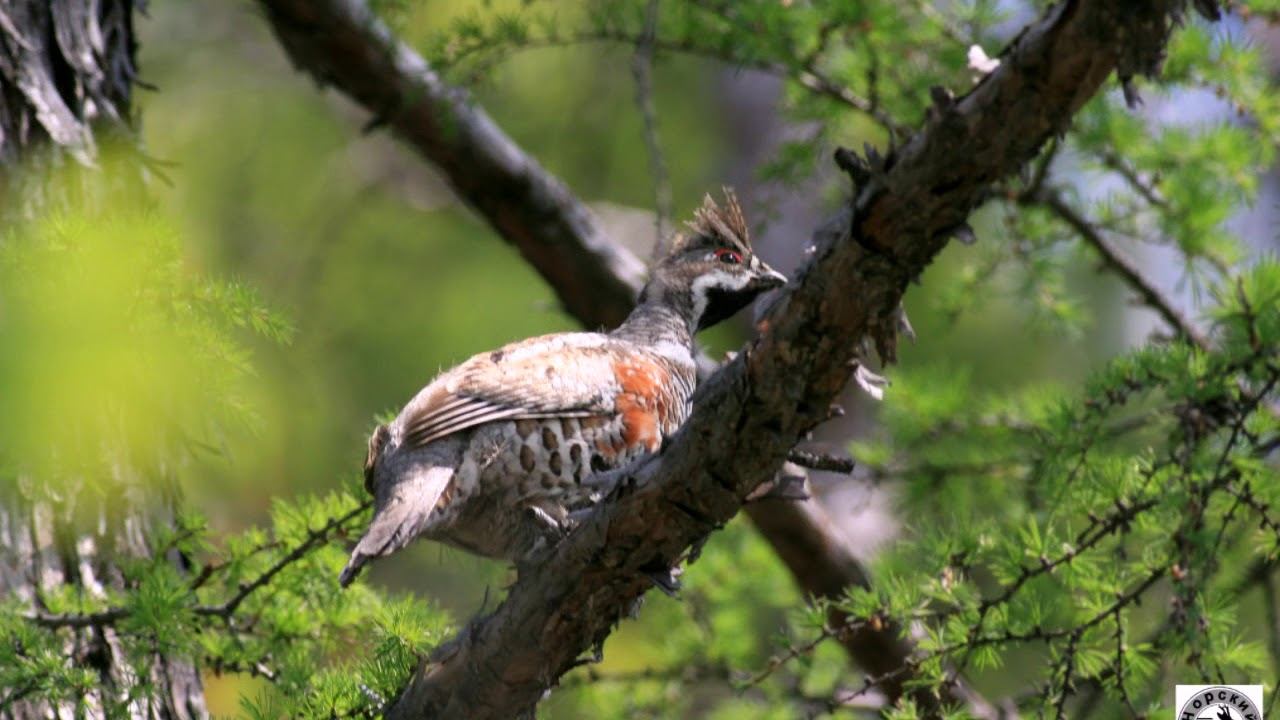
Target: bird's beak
(766, 278)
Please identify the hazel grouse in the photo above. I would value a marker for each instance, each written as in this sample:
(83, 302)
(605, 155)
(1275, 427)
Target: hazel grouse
(492, 455)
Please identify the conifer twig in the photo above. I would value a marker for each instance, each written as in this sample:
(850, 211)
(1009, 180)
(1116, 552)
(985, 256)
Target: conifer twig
(101, 618)
(1116, 262)
(642, 71)
(314, 539)
(110, 616)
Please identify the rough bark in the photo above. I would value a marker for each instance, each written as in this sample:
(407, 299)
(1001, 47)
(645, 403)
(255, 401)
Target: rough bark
(750, 413)
(66, 76)
(66, 81)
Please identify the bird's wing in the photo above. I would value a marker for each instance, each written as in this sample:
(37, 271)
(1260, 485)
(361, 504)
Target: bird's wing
(563, 375)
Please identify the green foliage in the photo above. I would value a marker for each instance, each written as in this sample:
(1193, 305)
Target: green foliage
(121, 363)
(265, 604)
(1104, 534)
(118, 357)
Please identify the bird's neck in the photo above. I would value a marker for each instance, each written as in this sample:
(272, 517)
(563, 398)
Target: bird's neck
(663, 325)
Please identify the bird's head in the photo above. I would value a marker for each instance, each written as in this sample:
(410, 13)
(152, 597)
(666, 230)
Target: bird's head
(711, 272)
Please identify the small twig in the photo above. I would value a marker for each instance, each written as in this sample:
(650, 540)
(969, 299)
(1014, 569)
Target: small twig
(1100, 528)
(813, 80)
(1068, 670)
(1121, 649)
(642, 70)
(224, 610)
(945, 24)
(795, 651)
(1150, 295)
(810, 77)
(314, 539)
(17, 693)
(1043, 167)
(1113, 161)
(256, 668)
(209, 570)
(1244, 495)
(77, 620)
(808, 74)
(821, 461)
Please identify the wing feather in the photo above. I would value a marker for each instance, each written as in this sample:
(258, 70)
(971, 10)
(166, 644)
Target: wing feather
(435, 429)
(565, 375)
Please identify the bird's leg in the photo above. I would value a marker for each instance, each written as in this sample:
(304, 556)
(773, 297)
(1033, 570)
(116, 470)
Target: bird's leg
(541, 527)
(545, 523)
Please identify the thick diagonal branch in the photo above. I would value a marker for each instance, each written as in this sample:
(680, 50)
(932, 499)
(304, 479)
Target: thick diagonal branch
(749, 414)
(341, 44)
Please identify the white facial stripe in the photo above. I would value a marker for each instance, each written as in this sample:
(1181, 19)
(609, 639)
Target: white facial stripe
(715, 279)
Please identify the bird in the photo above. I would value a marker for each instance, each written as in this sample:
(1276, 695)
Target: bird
(495, 455)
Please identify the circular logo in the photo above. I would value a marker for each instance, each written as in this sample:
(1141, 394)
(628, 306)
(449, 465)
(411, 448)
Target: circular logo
(1219, 703)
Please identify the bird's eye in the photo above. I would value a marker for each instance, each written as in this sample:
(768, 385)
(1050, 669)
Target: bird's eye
(729, 257)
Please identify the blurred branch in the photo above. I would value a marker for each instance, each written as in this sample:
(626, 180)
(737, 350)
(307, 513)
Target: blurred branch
(1117, 263)
(749, 414)
(805, 68)
(805, 71)
(1112, 160)
(342, 43)
(642, 70)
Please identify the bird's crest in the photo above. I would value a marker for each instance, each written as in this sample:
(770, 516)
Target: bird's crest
(723, 226)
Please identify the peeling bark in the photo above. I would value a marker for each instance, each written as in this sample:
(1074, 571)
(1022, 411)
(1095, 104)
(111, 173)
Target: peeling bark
(66, 68)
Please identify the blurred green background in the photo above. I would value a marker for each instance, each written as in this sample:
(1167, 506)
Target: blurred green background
(387, 279)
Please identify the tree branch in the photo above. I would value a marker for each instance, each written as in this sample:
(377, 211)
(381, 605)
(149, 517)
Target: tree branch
(341, 42)
(642, 71)
(1132, 276)
(748, 415)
